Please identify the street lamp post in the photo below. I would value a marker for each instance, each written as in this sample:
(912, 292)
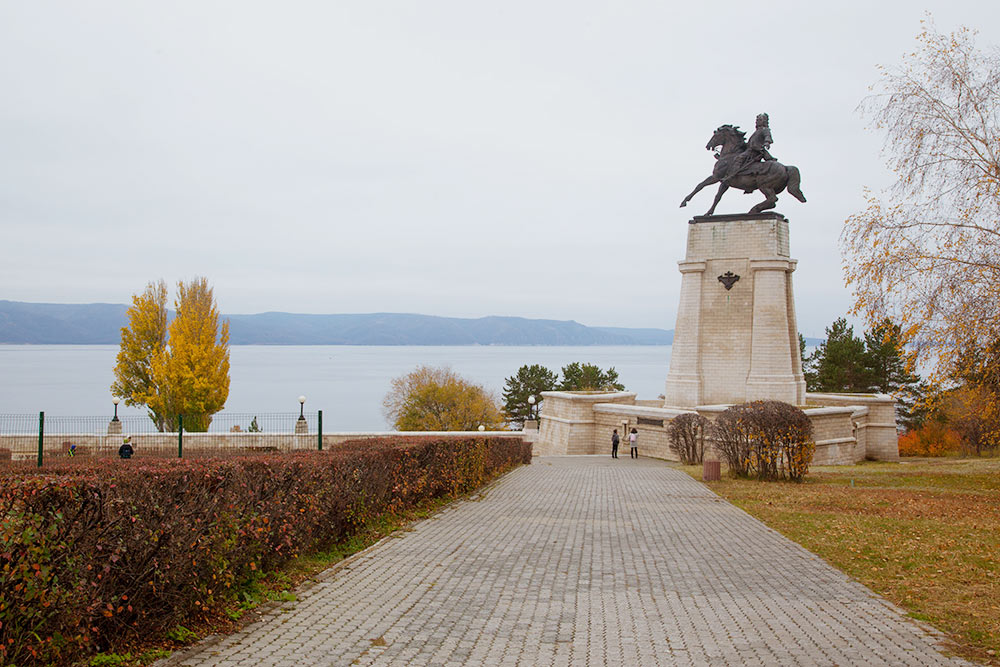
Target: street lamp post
(301, 426)
(115, 425)
(531, 406)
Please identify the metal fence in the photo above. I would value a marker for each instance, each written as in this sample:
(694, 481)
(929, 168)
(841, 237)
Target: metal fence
(37, 439)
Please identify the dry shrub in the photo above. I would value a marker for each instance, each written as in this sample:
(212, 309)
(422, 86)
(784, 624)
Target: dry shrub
(765, 439)
(687, 437)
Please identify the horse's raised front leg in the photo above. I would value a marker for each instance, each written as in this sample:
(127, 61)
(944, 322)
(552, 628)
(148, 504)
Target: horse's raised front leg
(707, 181)
(770, 202)
(718, 196)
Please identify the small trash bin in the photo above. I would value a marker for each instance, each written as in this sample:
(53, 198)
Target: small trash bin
(711, 471)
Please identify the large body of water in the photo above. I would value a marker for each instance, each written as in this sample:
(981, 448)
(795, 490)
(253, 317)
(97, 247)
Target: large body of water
(346, 382)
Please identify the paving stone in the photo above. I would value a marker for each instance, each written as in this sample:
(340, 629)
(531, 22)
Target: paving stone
(583, 560)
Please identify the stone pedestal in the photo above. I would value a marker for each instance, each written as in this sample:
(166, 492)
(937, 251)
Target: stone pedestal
(736, 338)
(301, 426)
(114, 427)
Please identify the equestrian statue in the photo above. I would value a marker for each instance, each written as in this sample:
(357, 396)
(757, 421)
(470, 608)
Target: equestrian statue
(749, 166)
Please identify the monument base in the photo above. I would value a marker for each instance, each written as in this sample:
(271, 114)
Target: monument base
(736, 338)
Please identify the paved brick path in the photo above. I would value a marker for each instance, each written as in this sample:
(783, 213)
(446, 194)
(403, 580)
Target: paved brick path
(582, 561)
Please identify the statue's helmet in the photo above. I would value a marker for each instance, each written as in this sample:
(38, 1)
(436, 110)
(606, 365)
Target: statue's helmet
(762, 120)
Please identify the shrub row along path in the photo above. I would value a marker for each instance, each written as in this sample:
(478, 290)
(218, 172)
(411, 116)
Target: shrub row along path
(582, 560)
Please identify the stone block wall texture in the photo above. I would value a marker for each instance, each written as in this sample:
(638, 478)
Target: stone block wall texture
(876, 430)
(738, 344)
(567, 423)
(833, 432)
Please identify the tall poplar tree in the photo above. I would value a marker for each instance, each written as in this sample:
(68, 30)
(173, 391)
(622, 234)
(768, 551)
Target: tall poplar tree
(144, 338)
(176, 369)
(194, 367)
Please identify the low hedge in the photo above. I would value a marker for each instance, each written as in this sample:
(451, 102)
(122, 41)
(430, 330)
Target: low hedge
(94, 555)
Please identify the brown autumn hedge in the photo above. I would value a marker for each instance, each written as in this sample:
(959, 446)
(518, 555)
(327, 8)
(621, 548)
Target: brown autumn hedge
(94, 554)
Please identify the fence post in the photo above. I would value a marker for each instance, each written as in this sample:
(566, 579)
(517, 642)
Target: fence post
(180, 436)
(319, 429)
(41, 437)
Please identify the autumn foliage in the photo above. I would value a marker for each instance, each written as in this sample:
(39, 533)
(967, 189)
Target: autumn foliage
(925, 253)
(142, 340)
(931, 439)
(176, 369)
(94, 555)
(439, 399)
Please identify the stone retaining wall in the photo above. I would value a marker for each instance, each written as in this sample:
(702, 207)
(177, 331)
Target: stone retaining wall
(846, 428)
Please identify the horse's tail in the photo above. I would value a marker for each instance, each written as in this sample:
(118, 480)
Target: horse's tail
(793, 183)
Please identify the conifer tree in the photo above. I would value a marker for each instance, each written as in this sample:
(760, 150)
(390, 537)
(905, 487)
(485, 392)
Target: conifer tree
(588, 377)
(889, 364)
(839, 363)
(529, 381)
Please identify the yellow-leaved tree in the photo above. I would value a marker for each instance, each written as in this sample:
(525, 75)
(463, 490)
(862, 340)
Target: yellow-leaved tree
(438, 399)
(143, 338)
(189, 371)
(926, 252)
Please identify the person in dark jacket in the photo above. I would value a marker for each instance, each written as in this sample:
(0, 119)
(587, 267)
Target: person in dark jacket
(614, 444)
(126, 451)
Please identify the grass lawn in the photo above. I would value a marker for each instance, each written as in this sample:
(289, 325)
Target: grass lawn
(924, 533)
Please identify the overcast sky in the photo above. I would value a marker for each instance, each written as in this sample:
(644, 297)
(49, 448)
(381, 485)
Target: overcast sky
(449, 158)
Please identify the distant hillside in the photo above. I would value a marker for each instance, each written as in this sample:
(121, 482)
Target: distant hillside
(100, 324)
(56, 323)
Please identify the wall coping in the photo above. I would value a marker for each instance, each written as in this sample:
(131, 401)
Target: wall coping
(853, 399)
(589, 396)
(640, 410)
(830, 410)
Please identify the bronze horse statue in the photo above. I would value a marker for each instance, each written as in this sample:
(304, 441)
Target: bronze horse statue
(770, 177)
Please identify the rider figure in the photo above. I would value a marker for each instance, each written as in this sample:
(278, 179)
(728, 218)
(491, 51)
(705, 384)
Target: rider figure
(756, 149)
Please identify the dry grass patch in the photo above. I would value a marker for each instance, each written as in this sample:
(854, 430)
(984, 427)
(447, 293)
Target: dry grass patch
(924, 533)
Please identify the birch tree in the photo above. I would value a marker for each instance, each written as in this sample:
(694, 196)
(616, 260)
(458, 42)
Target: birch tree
(926, 252)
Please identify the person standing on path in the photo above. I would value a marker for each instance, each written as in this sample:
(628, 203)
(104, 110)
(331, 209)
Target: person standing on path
(633, 441)
(614, 444)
